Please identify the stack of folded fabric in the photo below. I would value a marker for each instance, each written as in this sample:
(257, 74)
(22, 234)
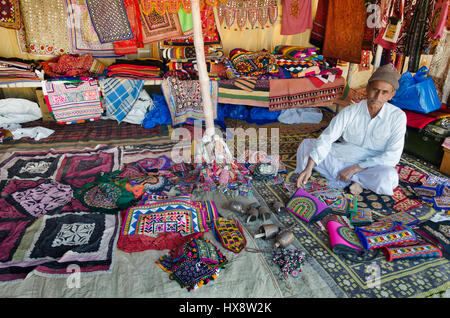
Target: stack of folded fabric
(13, 70)
(142, 69)
(295, 61)
(72, 65)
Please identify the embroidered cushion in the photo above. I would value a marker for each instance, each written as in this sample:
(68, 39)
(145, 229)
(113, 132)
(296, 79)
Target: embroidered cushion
(380, 234)
(307, 207)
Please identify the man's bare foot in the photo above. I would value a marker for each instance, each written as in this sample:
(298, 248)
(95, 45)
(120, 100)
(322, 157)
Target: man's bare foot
(355, 188)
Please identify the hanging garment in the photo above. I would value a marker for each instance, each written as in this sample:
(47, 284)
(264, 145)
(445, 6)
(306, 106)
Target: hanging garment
(346, 20)
(131, 46)
(317, 36)
(297, 17)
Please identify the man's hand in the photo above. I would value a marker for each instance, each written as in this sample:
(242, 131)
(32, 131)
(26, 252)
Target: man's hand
(304, 176)
(347, 173)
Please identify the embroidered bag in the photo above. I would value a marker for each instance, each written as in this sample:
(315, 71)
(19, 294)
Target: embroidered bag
(346, 243)
(437, 233)
(380, 234)
(229, 233)
(307, 207)
(361, 218)
(419, 250)
(193, 274)
(403, 217)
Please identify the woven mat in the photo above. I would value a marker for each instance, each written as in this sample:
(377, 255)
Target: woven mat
(89, 134)
(406, 278)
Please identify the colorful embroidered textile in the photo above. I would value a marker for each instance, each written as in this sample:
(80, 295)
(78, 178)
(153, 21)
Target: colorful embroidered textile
(10, 14)
(105, 194)
(185, 101)
(299, 68)
(109, 20)
(244, 92)
(344, 31)
(410, 175)
(229, 233)
(46, 198)
(120, 95)
(53, 242)
(438, 234)
(343, 239)
(205, 251)
(361, 217)
(153, 183)
(134, 18)
(402, 217)
(84, 39)
(403, 202)
(335, 200)
(193, 274)
(159, 163)
(307, 207)
(165, 216)
(247, 13)
(421, 250)
(208, 209)
(251, 63)
(75, 167)
(301, 92)
(73, 102)
(209, 29)
(380, 234)
(81, 167)
(297, 17)
(73, 65)
(157, 27)
(38, 17)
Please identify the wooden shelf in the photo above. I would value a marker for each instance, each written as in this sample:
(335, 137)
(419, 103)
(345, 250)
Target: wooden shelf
(38, 84)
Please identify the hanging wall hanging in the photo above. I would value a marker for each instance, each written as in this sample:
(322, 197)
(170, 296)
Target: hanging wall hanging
(258, 13)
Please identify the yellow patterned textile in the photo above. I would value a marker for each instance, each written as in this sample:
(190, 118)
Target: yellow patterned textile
(39, 18)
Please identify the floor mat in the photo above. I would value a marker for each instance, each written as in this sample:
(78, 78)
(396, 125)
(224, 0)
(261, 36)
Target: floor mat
(379, 278)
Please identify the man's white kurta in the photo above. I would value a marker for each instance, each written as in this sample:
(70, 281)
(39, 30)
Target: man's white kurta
(353, 137)
(366, 141)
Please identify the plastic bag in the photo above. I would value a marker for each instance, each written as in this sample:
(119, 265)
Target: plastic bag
(417, 93)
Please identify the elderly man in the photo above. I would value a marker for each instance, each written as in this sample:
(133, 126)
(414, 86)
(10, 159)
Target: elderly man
(362, 144)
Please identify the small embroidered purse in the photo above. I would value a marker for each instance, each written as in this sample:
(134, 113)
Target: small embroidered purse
(229, 233)
(361, 218)
(420, 250)
(307, 207)
(381, 234)
(403, 217)
(346, 243)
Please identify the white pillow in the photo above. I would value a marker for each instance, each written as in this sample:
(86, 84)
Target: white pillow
(18, 110)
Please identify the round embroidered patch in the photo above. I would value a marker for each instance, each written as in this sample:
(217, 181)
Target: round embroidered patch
(103, 195)
(349, 236)
(303, 206)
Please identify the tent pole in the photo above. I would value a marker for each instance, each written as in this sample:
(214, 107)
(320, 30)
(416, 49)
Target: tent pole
(202, 70)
